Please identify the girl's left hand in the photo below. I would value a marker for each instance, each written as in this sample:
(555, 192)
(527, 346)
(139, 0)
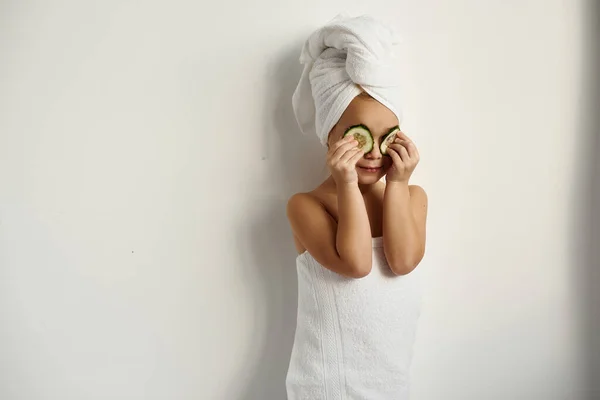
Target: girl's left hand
(405, 157)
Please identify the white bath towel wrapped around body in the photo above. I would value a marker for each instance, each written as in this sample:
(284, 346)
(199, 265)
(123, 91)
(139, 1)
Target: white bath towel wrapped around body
(354, 337)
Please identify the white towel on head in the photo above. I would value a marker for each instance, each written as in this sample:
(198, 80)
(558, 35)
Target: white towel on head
(342, 59)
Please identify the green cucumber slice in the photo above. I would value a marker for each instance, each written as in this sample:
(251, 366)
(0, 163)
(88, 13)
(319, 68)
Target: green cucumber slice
(362, 135)
(388, 139)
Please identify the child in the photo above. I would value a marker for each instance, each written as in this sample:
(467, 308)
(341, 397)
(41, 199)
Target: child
(358, 238)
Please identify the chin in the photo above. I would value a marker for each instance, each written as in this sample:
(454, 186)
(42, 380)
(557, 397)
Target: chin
(369, 178)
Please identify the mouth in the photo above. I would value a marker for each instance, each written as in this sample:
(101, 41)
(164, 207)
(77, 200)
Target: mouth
(370, 169)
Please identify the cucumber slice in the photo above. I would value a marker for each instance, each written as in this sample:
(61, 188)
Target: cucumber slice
(388, 139)
(362, 135)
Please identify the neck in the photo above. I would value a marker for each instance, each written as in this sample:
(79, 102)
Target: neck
(367, 188)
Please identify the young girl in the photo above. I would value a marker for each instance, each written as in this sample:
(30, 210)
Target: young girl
(358, 238)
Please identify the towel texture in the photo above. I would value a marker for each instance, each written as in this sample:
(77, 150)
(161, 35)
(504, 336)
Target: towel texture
(354, 337)
(345, 57)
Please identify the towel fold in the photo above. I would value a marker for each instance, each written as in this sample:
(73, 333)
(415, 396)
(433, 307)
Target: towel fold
(345, 57)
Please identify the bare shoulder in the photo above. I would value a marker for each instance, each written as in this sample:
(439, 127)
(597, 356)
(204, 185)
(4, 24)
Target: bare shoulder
(418, 193)
(303, 209)
(312, 225)
(418, 201)
(301, 202)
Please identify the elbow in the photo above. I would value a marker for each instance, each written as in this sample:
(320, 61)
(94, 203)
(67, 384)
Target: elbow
(350, 269)
(359, 270)
(405, 265)
(355, 264)
(403, 268)
(359, 273)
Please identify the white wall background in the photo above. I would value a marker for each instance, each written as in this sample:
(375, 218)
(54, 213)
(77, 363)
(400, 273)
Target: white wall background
(147, 150)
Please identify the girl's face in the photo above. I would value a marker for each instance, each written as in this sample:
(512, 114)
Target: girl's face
(379, 119)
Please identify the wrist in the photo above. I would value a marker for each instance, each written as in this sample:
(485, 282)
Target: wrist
(397, 190)
(346, 186)
(397, 184)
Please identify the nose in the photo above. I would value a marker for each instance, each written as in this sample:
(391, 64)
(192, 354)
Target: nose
(374, 154)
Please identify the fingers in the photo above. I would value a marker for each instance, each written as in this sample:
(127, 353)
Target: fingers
(340, 152)
(344, 155)
(411, 149)
(395, 156)
(341, 147)
(402, 135)
(350, 154)
(401, 151)
(404, 154)
(413, 152)
(341, 142)
(355, 158)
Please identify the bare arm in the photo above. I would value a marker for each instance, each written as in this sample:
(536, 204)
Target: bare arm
(343, 247)
(404, 210)
(404, 222)
(353, 236)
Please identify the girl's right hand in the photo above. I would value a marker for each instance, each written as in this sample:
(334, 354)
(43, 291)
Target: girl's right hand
(342, 158)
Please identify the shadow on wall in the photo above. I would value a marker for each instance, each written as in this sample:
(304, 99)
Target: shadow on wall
(587, 223)
(295, 163)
